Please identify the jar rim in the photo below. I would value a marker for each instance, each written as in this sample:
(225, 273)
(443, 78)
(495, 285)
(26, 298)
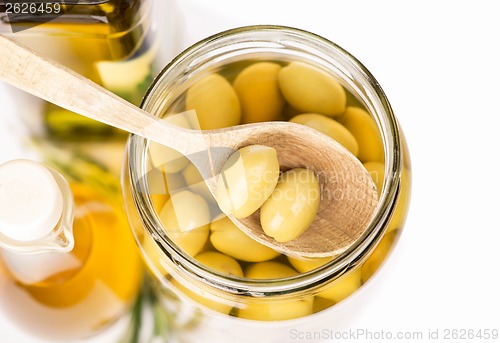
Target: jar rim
(355, 254)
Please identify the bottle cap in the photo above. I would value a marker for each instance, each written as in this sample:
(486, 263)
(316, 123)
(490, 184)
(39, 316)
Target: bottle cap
(31, 202)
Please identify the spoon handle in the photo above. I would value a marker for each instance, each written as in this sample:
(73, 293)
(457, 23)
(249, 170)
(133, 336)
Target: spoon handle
(49, 80)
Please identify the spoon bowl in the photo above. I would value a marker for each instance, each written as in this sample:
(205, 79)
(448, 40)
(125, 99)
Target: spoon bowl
(348, 194)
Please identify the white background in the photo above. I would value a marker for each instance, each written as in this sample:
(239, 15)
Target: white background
(438, 63)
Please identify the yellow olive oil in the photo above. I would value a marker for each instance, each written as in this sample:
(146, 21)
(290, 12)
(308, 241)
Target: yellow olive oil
(110, 42)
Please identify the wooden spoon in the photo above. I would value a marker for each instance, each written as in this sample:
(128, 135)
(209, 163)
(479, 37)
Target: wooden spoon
(349, 196)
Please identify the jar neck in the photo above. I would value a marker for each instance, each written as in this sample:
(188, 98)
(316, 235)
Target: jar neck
(288, 44)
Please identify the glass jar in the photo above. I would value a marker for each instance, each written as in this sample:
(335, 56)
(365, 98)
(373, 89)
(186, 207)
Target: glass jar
(217, 307)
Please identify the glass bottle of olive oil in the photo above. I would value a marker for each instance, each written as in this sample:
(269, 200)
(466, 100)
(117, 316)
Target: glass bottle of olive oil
(112, 42)
(69, 266)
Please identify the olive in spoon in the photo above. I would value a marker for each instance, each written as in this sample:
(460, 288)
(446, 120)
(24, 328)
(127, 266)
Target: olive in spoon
(348, 194)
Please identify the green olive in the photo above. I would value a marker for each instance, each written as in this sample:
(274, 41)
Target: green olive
(195, 181)
(169, 159)
(305, 266)
(330, 128)
(159, 201)
(259, 93)
(230, 240)
(175, 182)
(271, 310)
(161, 185)
(343, 287)
(274, 309)
(365, 130)
(220, 263)
(187, 228)
(215, 102)
(292, 206)
(247, 179)
(269, 270)
(311, 90)
(206, 297)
